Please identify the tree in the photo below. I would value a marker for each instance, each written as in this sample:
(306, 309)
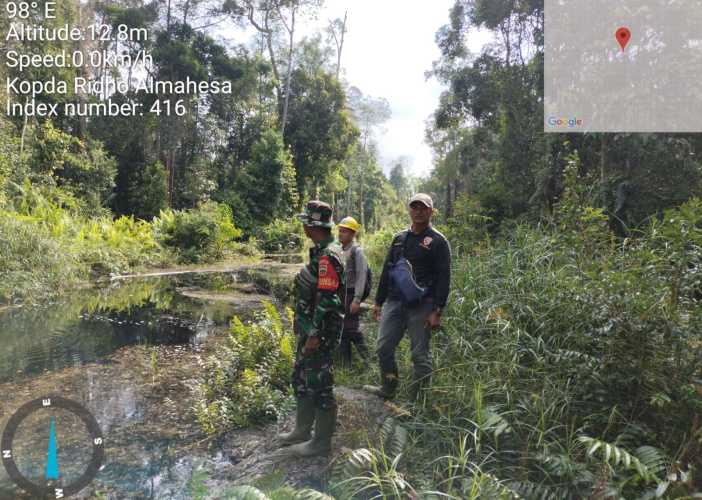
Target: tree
(82, 167)
(147, 194)
(369, 113)
(268, 185)
(320, 132)
(488, 139)
(337, 30)
(398, 179)
(268, 17)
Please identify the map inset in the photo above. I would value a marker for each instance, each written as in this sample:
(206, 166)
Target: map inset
(623, 66)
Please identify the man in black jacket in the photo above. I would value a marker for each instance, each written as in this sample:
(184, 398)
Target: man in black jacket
(429, 253)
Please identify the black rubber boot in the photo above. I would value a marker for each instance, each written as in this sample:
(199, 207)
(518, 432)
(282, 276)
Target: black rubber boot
(320, 444)
(387, 388)
(363, 350)
(303, 423)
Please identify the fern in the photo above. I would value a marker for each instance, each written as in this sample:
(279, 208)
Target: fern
(394, 437)
(531, 490)
(246, 493)
(353, 464)
(494, 422)
(365, 471)
(310, 494)
(646, 467)
(653, 460)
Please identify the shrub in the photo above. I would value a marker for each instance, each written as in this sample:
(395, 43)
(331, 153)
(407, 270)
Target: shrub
(48, 245)
(281, 235)
(468, 227)
(197, 235)
(108, 246)
(376, 246)
(247, 381)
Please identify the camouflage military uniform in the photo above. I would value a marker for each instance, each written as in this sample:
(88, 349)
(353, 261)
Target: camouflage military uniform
(318, 312)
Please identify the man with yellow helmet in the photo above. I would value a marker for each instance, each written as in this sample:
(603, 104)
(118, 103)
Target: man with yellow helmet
(357, 288)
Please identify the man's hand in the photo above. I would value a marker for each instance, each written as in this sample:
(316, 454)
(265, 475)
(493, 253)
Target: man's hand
(433, 321)
(376, 312)
(311, 345)
(355, 307)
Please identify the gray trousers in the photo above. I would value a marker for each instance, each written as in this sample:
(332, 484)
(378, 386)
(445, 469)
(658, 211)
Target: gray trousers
(395, 318)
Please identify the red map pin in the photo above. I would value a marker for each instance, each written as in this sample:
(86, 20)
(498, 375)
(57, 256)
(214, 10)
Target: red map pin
(623, 36)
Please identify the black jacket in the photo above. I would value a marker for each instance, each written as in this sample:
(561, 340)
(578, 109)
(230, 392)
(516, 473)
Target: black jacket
(430, 255)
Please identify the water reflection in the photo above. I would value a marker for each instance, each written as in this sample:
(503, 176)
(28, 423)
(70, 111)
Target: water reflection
(129, 352)
(90, 324)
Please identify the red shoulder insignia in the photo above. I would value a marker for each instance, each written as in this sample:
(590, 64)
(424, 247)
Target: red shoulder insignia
(328, 277)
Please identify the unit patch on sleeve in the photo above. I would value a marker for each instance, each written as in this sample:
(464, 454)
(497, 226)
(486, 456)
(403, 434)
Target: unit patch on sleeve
(328, 277)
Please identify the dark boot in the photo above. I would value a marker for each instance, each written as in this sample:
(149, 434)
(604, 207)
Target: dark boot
(388, 387)
(363, 349)
(345, 351)
(320, 444)
(303, 423)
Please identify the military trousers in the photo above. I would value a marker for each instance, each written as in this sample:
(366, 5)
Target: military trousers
(313, 375)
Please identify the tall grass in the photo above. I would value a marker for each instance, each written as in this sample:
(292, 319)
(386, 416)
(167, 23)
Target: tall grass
(569, 364)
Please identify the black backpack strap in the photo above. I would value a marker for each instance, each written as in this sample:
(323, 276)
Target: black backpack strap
(401, 238)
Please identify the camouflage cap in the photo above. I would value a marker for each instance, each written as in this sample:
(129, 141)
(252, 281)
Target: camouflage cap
(317, 214)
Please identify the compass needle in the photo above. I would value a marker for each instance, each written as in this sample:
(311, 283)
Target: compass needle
(52, 469)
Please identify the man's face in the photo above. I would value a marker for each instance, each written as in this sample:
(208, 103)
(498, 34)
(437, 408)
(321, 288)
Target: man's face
(345, 235)
(419, 213)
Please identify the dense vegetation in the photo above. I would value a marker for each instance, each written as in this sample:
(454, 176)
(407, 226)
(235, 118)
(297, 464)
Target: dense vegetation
(488, 137)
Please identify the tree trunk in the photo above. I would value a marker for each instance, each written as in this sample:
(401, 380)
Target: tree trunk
(348, 192)
(168, 18)
(362, 179)
(449, 201)
(24, 126)
(603, 160)
(289, 75)
(266, 31)
(339, 43)
(186, 8)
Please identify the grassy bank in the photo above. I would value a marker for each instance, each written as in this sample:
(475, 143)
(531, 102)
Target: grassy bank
(50, 243)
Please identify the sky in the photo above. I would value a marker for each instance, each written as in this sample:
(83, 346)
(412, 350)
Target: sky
(388, 48)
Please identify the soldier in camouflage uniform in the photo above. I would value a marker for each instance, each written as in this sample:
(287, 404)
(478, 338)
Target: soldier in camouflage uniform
(319, 313)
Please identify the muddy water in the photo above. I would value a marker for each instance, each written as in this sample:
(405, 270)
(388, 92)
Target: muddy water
(130, 353)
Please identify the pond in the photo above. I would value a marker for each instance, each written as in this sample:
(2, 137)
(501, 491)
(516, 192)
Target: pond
(129, 352)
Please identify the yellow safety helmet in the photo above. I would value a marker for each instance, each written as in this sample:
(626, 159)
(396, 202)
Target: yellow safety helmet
(349, 223)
